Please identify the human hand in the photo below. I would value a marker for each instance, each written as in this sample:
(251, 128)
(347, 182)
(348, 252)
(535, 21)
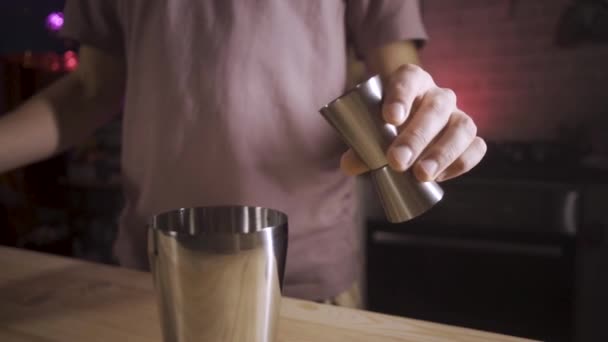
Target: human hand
(435, 137)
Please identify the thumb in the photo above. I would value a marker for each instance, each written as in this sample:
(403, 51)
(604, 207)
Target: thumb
(351, 164)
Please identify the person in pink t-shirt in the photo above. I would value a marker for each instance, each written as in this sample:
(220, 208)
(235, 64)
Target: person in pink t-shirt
(220, 105)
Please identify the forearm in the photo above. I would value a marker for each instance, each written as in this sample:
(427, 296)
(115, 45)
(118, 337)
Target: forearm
(386, 59)
(56, 118)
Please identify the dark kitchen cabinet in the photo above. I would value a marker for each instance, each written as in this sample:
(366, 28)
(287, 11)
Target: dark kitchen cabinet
(524, 258)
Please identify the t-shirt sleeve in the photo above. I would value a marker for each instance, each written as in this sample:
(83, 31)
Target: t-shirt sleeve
(373, 23)
(94, 22)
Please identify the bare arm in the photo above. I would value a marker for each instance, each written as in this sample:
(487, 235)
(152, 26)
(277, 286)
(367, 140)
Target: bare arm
(65, 113)
(388, 58)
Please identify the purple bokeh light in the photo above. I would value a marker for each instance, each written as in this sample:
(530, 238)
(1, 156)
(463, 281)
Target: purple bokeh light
(54, 21)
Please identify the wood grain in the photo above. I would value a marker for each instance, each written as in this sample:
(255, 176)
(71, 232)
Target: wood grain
(51, 299)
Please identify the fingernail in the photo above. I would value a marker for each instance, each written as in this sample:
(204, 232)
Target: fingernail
(402, 156)
(441, 177)
(429, 166)
(396, 113)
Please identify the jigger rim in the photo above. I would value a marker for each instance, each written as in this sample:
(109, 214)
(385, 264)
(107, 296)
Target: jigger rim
(351, 90)
(166, 221)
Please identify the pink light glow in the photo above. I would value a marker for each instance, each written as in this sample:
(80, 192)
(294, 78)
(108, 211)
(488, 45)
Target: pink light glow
(55, 66)
(70, 60)
(54, 21)
(69, 54)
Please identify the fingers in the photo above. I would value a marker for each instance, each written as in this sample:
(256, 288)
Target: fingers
(351, 164)
(408, 83)
(467, 160)
(449, 146)
(421, 129)
(431, 129)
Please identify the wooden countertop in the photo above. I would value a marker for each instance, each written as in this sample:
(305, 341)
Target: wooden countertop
(47, 298)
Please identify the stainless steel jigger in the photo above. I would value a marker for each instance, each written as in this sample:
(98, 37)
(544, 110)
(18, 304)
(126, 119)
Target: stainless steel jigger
(357, 116)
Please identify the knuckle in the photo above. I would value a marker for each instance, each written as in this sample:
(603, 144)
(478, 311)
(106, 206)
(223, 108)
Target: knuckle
(468, 160)
(412, 73)
(450, 95)
(461, 165)
(426, 77)
(405, 68)
(409, 73)
(400, 91)
(435, 105)
(465, 124)
(446, 156)
(416, 138)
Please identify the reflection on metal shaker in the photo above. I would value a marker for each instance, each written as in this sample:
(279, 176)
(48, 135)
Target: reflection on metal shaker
(218, 272)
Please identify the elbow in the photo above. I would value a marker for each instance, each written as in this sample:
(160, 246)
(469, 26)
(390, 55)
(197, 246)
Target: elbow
(102, 97)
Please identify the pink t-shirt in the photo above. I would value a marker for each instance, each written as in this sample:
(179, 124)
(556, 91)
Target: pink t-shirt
(221, 107)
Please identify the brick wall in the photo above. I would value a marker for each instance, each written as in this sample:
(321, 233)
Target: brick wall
(500, 58)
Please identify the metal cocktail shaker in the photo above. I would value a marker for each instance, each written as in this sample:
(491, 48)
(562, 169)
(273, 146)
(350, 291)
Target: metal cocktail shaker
(356, 115)
(218, 272)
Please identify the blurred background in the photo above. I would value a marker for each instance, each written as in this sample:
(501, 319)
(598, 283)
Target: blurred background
(519, 246)
(66, 205)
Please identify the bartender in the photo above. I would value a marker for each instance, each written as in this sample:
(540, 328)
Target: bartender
(220, 105)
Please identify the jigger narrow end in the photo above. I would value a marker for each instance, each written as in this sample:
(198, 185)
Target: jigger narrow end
(403, 197)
